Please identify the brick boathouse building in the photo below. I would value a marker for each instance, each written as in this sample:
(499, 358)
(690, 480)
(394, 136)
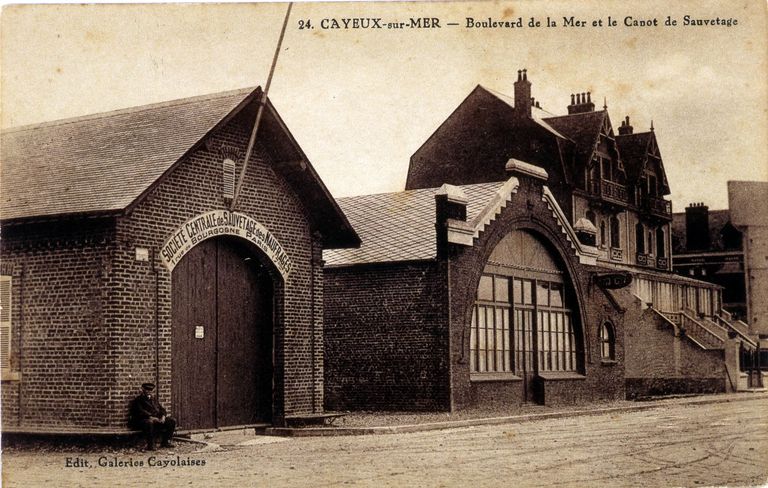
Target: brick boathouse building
(122, 262)
(494, 307)
(527, 260)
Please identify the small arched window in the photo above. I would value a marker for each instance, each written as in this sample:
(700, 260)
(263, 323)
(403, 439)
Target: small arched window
(651, 240)
(607, 342)
(640, 238)
(602, 233)
(615, 232)
(660, 247)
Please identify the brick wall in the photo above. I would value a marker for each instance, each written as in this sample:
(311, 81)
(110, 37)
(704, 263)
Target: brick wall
(61, 342)
(381, 323)
(385, 338)
(97, 322)
(193, 188)
(661, 362)
(527, 211)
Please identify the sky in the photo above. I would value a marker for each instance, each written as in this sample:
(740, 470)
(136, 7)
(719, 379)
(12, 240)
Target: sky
(361, 101)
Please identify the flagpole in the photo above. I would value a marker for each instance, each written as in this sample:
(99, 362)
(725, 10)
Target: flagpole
(260, 112)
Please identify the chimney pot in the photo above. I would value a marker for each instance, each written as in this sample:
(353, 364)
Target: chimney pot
(697, 227)
(573, 99)
(589, 97)
(523, 99)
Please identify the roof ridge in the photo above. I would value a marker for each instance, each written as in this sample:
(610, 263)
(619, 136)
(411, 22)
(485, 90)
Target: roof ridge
(578, 113)
(128, 110)
(415, 190)
(635, 134)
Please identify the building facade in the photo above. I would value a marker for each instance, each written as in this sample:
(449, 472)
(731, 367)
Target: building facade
(727, 247)
(125, 260)
(748, 203)
(707, 246)
(469, 295)
(625, 325)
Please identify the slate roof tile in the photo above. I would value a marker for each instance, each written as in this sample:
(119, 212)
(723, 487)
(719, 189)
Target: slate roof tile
(582, 128)
(103, 162)
(399, 226)
(633, 149)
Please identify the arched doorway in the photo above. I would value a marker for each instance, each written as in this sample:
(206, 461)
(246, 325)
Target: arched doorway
(222, 322)
(525, 320)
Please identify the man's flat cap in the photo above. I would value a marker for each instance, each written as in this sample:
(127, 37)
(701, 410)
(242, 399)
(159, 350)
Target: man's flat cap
(148, 386)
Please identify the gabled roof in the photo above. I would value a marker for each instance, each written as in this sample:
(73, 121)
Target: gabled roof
(104, 163)
(400, 226)
(634, 149)
(583, 129)
(538, 114)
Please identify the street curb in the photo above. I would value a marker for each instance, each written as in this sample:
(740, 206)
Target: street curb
(455, 424)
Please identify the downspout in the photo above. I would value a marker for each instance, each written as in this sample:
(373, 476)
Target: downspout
(313, 263)
(156, 272)
(20, 418)
(452, 401)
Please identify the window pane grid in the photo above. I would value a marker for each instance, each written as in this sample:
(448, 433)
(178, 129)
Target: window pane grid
(534, 307)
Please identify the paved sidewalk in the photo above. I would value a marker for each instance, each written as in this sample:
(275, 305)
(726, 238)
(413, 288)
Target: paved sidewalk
(243, 437)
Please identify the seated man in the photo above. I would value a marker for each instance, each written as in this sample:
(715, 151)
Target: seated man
(148, 415)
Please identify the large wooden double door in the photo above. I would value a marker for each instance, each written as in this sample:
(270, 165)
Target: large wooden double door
(222, 320)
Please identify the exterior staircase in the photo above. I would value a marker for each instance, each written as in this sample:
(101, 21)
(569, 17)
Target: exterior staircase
(725, 320)
(721, 332)
(706, 334)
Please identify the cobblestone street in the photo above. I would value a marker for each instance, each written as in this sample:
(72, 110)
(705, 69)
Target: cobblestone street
(678, 445)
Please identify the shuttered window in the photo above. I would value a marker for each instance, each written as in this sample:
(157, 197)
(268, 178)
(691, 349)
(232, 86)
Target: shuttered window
(229, 179)
(5, 322)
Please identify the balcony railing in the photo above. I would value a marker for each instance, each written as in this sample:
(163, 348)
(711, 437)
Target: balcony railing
(614, 192)
(658, 207)
(616, 254)
(646, 260)
(610, 191)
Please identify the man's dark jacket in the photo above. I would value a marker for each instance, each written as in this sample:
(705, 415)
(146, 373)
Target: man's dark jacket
(142, 408)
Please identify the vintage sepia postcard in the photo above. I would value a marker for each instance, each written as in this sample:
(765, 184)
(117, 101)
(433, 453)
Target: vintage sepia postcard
(384, 243)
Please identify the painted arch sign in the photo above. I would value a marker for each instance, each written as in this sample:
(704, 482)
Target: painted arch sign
(219, 223)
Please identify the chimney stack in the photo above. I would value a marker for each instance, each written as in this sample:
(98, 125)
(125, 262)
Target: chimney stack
(697, 227)
(450, 204)
(523, 94)
(582, 103)
(625, 128)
